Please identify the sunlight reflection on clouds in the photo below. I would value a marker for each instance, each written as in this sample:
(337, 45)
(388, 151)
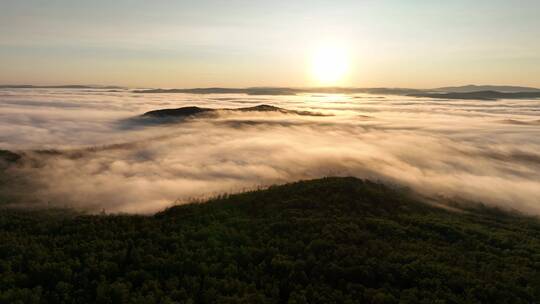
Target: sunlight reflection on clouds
(479, 150)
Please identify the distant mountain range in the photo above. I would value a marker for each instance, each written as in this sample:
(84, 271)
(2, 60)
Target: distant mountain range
(484, 92)
(283, 90)
(71, 86)
(250, 91)
(479, 88)
(477, 92)
(481, 95)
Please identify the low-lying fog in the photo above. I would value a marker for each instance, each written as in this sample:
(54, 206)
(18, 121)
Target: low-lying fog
(478, 150)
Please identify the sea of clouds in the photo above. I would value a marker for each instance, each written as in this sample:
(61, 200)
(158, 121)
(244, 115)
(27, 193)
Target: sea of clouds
(98, 157)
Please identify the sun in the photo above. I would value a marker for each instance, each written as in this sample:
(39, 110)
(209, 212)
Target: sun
(329, 64)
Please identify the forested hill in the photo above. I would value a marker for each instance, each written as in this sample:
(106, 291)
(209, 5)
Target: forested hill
(332, 240)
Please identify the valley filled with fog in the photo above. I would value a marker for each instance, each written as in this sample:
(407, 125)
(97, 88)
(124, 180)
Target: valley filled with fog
(91, 149)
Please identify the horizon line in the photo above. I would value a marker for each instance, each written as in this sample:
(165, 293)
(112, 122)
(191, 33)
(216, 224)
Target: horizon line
(112, 86)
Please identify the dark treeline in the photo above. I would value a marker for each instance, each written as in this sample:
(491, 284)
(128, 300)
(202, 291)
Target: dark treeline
(333, 240)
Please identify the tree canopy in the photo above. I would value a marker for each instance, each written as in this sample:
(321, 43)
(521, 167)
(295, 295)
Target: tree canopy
(332, 240)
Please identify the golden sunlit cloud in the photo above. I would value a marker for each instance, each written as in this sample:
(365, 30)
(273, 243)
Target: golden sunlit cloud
(329, 64)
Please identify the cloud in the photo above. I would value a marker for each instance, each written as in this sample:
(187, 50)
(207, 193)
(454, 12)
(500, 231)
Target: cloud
(437, 149)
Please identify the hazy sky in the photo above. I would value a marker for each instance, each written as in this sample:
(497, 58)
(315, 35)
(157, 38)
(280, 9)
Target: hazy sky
(409, 43)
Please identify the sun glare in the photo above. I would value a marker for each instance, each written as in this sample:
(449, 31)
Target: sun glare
(329, 65)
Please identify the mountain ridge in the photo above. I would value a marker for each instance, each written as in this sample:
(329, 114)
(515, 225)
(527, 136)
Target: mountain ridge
(480, 95)
(194, 110)
(477, 88)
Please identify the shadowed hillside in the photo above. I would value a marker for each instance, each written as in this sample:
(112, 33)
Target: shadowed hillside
(333, 240)
(192, 111)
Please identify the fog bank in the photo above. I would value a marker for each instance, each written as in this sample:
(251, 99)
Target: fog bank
(487, 151)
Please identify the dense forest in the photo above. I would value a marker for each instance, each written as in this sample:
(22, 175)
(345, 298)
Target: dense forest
(332, 240)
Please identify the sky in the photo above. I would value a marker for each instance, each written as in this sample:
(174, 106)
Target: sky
(236, 43)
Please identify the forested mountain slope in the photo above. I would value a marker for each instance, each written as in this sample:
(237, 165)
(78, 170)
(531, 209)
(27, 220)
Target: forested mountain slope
(332, 240)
